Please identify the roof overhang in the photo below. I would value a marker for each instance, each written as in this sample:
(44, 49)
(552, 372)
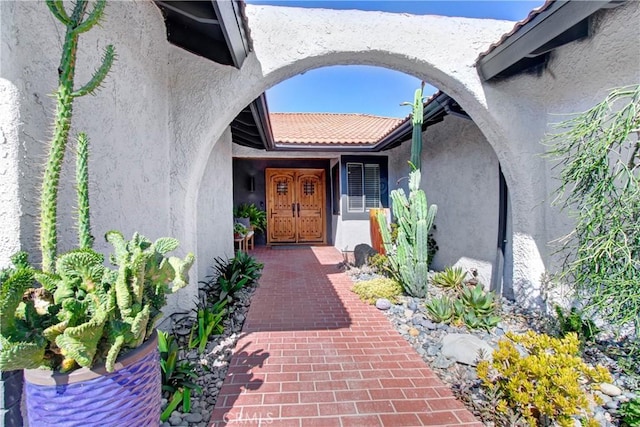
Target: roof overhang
(558, 23)
(211, 29)
(434, 111)
(217, 30)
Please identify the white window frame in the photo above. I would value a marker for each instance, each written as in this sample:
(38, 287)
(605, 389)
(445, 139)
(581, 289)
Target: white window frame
(363, 166)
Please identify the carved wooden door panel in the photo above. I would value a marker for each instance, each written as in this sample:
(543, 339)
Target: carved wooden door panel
(295, 206)
(310, 203)
(281, 214)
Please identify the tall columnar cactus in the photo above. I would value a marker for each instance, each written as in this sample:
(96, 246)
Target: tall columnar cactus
(417, 113)
(77, 23)
(409, 256)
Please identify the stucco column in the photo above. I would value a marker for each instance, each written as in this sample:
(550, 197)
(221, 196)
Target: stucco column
(10, 382)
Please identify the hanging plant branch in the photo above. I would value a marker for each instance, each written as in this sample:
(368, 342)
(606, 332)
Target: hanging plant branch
(599, 176)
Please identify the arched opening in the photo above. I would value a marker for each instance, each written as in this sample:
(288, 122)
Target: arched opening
(468, 237)
(452, 72)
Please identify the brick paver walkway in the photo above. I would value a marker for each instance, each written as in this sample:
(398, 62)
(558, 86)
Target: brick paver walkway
(312, 354)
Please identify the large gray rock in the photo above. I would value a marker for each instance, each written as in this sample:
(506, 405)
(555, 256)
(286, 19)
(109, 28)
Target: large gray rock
(610, 389)
(465, 348)
(361, 254)
(383, 304)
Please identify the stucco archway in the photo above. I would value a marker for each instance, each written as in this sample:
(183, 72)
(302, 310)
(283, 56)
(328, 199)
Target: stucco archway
(440, 50)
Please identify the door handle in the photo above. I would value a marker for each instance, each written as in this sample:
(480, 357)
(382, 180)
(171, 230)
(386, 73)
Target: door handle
(298, 210)
(293, 209)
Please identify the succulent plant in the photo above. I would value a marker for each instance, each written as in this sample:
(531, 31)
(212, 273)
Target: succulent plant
(450, 278)
(477, 308)
(86, 312)
(440, 309)
(477, 299)
(409, 256)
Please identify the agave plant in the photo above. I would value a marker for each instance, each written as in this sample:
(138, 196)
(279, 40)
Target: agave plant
(477, 308)
(478, 300)
(440, 309)
(450, 278)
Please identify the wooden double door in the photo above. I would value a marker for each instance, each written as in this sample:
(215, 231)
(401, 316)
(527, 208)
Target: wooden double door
(296, 206)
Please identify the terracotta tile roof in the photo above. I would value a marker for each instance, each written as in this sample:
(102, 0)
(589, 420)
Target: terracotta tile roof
(330, 128)
(532, 15)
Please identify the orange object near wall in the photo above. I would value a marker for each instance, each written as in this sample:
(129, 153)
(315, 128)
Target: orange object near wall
(376, 237)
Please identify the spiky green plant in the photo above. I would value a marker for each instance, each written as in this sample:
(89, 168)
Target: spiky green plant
(85, 238)
(440, 309)
(409, 256)
(417, 113)
(598, 154)
(450, 278)
(78, 22)
(86, 312)
(477, 308)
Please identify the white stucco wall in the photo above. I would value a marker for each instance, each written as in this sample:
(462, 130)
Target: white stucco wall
(289, 41)
(578, 76)
(215, 213)
(9, 147)
(163, 111)
(126, 121)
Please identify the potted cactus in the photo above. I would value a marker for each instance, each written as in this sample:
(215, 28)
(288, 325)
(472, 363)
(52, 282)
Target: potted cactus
(91, 327)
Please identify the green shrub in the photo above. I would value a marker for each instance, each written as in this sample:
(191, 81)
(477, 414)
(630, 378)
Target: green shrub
(599, 173)
(381, 265)
(549, 383)
(630, 412)
(450, 278)
(231, 275)
(208, 321)
(574, 322)
(370, 290)
(257, 217)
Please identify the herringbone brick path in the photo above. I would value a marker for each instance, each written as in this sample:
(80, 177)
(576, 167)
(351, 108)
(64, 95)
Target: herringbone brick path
(312, 354)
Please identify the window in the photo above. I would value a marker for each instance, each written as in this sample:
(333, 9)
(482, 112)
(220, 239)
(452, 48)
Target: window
(363, 186)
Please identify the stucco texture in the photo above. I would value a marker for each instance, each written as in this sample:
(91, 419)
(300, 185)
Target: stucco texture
(126, 121)
(157, 124)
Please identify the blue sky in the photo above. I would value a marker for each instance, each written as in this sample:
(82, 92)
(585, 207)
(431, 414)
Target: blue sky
(373, 90)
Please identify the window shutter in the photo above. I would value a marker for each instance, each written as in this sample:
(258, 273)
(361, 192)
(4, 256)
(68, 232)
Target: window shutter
(355, 193)
(372, 186)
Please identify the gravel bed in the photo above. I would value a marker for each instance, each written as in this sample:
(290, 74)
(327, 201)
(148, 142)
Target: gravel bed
(409, 317)
(210, 366)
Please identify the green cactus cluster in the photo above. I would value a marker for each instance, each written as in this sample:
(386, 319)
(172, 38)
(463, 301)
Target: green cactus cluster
(417, 116)
(86, 313)
(409, 255)
(76, 23)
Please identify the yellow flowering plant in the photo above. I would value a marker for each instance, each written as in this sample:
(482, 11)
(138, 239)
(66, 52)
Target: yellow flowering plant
(549, 382)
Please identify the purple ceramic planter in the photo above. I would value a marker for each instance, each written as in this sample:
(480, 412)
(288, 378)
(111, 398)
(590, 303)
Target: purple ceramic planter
(129, 396)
